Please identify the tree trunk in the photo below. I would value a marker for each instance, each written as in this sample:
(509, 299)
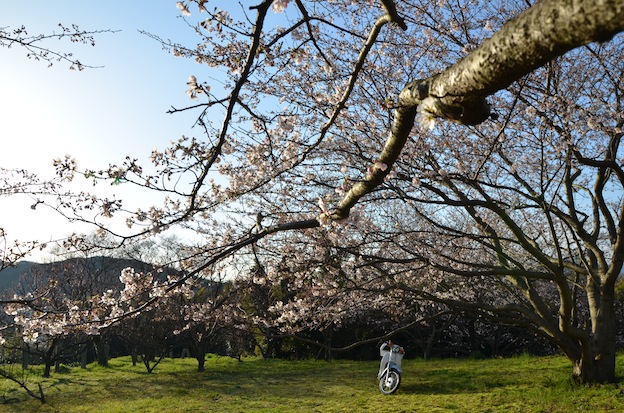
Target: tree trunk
(84, 357)
(151, 359)
(597, 361)
(47, 368)
(475, 346)
(25, 356)
(48, 358)
(200, 354)
(496, 342)
(134, 355)
(102, 350)
(201, 361)
(594, 369)
(593, 355)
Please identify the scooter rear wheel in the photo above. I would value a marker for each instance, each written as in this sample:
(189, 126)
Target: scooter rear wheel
(390, 383)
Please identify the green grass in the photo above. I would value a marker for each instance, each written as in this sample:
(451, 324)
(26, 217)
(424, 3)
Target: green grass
(521, 384)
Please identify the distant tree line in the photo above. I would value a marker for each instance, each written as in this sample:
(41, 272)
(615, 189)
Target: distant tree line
(231, 318)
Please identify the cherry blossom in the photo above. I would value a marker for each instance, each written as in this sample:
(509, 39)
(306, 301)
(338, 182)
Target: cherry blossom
(183, 9)
(279, 5)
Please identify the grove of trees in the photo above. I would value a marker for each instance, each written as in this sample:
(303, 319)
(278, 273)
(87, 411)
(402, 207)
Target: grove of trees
(411, 159)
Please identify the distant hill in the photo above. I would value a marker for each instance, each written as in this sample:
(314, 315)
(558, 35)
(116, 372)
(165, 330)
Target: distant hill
(9, 277)
(104, 271)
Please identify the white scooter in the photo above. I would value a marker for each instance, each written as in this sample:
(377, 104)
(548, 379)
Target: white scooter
(389, 375)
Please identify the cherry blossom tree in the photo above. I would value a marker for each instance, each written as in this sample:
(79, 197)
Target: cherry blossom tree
(52, 311)
(324, 123)
(208, 316)
(43, 328)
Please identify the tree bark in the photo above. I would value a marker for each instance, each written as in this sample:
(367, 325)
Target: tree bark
(134, 355)
(25, 356)
(541, 33)
(49, 359)
(201, 360)
(200, 354)
(597, 361)
(47, 367)
(102, 350)
(84, 357)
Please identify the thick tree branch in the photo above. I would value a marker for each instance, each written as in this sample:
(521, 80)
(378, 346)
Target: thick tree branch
(543, 32)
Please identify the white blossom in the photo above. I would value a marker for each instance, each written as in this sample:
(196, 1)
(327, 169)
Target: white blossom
(279, 5)
(380, 165)
(426, 113)
(183, 9)
(416, 181)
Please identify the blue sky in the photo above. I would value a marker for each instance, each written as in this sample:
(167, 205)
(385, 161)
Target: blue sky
(98, 115)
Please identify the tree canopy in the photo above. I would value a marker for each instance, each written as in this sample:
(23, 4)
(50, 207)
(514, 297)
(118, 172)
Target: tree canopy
(326, 158)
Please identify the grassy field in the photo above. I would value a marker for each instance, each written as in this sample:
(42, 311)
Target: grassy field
(522, 384)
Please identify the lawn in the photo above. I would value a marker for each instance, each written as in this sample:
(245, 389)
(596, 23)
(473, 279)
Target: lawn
(520, 384)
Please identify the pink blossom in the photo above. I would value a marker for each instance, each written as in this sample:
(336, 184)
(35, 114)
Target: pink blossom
(416, 181)
(280, 5)
(381, 166)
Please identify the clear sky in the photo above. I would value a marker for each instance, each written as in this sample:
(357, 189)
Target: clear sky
(98, 116)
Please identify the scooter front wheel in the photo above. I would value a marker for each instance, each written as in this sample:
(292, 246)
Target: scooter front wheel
(390, 382)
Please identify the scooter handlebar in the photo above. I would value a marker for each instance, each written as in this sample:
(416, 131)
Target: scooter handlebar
(389, 346)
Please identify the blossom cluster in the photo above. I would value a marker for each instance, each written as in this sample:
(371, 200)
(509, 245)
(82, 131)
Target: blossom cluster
(279, 6)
